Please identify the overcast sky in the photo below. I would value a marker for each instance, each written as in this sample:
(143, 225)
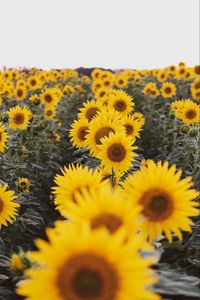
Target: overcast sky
(104, 33)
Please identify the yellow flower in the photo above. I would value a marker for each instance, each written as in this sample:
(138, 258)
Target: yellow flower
(121, 80)
(116, 152)
(3, 137)
(89, 110)
(49, 97)
(34, 83)
(49, 113)
(16, 262)
(121, 102)
(24, 184)
(168, 90)
(105, 208)
(84, 264)
(34, 98)
(187, 110)
(167, 200)
(161, 75)
(74, 180)
(132, 126)
(78, 132)
(102, 125)
(20, 93)
(19, 117)
(7, 206)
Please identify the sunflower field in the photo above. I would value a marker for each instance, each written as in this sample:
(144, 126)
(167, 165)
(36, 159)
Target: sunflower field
(99, 184)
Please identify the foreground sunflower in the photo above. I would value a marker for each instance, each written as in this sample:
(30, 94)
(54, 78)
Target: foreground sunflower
(19, 117)
(3, 137)
(74, 180)
(167, 200)
(108, 209)
(97, 267)
(7, 206)
(116, 152)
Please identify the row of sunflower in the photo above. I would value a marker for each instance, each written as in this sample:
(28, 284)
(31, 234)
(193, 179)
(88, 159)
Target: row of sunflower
(115, 203)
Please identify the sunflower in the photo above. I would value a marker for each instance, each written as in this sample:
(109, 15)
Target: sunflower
(19, 117)
(132, 126)
(151, 89)
(101, 93)
(121, 81)
(161, 75)
(34, 98)
(121, 102)
(3, 137)
(75, 179)
(168, 90)
(102, 125)
(106, 208)
(7, 206)
(97, 84)
(195, 89)
(116, 152)
(187, 110)
(96, 73)
(167, 200)
(20, 93)
(34, 83)
(49, 113)
(98, 266)
(78, 132)
(137, 116)
(24, 184)
(89, 110)
(49, 97)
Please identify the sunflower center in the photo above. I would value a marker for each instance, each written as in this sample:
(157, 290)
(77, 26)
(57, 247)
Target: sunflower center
(18, 118)
(121, 81)
(48, 98)
(129, 129)
(197, 86)
(120, 105)
(102, 94)
(87, 276)
(168, 90)
(19, 93)
(1, 205)
(102, 132)
(191, 114)
(1, 136)
(110, 221)
(49, 112)
(33, 82)
(91, 112)
(157, 205)
(197, 69)
(116, 152)
(82, 133)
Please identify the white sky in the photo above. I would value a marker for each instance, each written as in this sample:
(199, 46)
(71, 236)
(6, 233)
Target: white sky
(104, 33)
